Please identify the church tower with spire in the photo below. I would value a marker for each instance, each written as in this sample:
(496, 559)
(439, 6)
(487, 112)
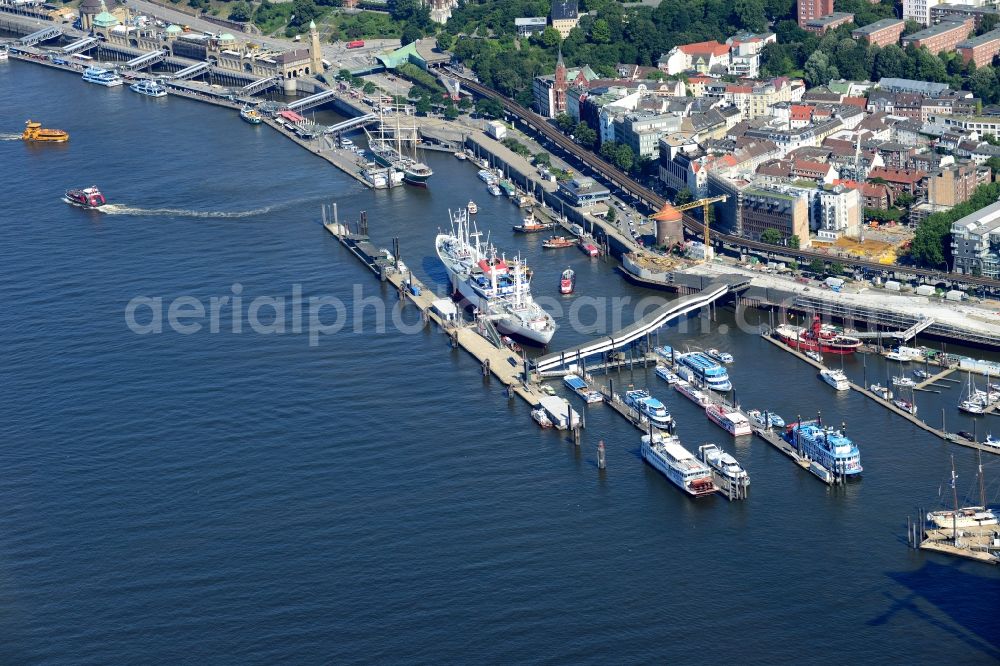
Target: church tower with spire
(315, 50)
(560, 86)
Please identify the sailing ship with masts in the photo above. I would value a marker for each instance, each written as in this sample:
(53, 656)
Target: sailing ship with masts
(388, 152)
(967, 516)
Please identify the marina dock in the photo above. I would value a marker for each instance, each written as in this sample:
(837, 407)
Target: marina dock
(981, 543)
(946, 436)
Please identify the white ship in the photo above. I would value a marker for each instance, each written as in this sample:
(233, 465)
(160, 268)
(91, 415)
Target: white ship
(723, 463)
(497, 288)
(665, 454)
(102, 77)
(836, 379)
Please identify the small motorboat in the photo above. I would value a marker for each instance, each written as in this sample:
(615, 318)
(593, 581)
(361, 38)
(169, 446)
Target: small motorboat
(557, 242)
(921, 374)
(814, 355)
(88, 197)
(493, 189)
(460, 155)
(905, 382)
(472, 207)
(33, 131)
(663, 372)
(766, 419)
(547, 389)
(541, 418)
(883, 392)
(510, 344)
(567, 283)
(906, 406)
(721, 357)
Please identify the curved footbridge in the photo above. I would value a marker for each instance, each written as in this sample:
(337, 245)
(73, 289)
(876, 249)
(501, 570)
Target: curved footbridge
(557, 363)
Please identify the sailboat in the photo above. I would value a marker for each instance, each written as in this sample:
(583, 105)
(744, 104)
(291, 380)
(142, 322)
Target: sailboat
(968, 516)
(388, 155)
(971, 405)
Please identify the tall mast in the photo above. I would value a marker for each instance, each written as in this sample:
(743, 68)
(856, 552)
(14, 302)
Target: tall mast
(954, 495)
(982, 484)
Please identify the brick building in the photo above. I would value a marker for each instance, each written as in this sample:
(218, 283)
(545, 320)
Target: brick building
(944, 36)
(813, 9)
(822, 24)
(980, 50)
(881, 33)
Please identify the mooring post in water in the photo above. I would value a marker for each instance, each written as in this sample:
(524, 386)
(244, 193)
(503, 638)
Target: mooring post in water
(602, 463)
(486, 368)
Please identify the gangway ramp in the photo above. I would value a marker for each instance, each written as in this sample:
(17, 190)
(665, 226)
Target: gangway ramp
(81, 45)
(259, 85)
(660, 317)
(145, 60)
(312, 100)
(902, 336)
(351, 123)
(192, 71)
(42, 35)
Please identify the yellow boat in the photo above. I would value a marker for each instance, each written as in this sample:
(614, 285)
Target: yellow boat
(33, 131)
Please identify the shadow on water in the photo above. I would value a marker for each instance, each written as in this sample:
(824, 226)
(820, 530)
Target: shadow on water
(970, 601)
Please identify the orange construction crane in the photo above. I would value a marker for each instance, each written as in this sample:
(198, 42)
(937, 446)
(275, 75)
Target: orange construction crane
(705, 203)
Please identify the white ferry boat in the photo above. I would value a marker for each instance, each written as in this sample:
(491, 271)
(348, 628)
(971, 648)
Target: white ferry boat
(487, 176)
(497, 288)
(582, 389)
(666, 455)
(724, 464)
(102, 77)
(730, 420)
(148, 87)
(692, 394)
(664, 373)
(836, 379)
(651, 408)
(720, 356)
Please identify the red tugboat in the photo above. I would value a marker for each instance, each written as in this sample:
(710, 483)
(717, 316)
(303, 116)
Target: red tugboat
(88, 197)
(568, 282)
(824, 339)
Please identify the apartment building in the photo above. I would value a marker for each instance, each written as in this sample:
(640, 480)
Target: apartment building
(880, 33)
(944, 36)
(980, 50)
(812, 9)
(975, 243)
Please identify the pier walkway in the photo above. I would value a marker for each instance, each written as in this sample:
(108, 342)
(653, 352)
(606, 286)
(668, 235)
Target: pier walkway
(42, 35)
(260, 85)
(309, 102)
(946, 436)
(630, 334)
(81, 45)
(145, 60)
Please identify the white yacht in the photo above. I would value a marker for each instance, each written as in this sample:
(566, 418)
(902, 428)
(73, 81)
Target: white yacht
(835, 378)
(649, 407)
(148, 87)
(496, 287)
(102, 77)
(724, 464)
(666, 455)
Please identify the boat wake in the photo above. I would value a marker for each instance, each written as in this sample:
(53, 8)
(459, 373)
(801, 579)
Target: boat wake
(10, 137)
(122, 209)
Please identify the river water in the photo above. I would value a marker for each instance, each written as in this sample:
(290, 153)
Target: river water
(255, 496)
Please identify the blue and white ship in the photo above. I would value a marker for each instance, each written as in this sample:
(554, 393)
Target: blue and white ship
(829, 447)
(149, 87)
(707, 371)
(102, 77)
(649, 407)
(582, 389)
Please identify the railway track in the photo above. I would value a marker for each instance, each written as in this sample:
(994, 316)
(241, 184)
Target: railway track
(654, 201)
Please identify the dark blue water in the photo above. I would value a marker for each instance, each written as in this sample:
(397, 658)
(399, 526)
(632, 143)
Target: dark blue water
(251, 498)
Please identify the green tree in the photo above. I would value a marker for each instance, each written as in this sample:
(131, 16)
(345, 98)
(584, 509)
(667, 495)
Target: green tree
(369, 88)
(465, 103)
(818, 70)
(423, 106)
(450, 112)
(411, 33)
(489, 107)
(344, 74)
(543, 159)
(904, 200)
(794, 242)
(303, 11)
(994, 164)
(684, 196)
(565, 122)
(836, 268)
(585, 135)
(444, 41)
(817, 266)
(771, 236)
(600, 32)
(612, 215)
(550, 37)
(751, 15)
(241, 11)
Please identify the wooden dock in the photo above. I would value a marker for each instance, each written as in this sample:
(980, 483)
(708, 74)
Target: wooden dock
(502, 363)
(976, 543)
(930, 381)
(946, 436)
